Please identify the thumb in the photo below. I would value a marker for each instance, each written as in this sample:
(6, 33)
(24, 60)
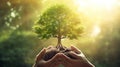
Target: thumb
(76, 50)
(40, 55)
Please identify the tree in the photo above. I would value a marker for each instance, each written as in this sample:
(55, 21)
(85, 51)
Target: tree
(58, 21)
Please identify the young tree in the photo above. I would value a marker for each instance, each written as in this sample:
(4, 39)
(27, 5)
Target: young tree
(60, 22)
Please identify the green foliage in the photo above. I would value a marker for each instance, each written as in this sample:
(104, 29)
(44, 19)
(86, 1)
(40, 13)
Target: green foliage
(58, 19)
(18, 14)
(14, 49)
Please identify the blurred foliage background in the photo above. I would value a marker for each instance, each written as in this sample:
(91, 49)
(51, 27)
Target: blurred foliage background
(19, 44)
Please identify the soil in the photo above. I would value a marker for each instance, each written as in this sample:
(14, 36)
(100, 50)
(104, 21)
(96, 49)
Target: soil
(51, 52)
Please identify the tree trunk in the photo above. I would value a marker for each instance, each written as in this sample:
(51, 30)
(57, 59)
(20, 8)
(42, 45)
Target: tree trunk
(59, 44)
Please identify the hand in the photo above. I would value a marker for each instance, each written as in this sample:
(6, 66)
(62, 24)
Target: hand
(53, 62)
(80, 59)
(60, 58)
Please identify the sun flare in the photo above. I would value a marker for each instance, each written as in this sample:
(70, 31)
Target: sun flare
(98, 12)
(96, 31)
(104, 4)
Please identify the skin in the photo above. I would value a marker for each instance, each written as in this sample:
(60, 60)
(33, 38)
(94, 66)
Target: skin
(79, 61)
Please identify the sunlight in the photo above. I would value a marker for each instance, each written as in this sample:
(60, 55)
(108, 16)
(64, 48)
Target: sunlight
(100, 10)
(8, 3)
(96, 31)
(108, 4)
(13, 14)
(104, 4)
(97, 12)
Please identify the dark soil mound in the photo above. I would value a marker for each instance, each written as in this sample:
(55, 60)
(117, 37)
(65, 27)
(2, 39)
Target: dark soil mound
(51, 52)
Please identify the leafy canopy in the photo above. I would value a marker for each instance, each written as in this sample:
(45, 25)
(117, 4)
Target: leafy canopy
(58, 20)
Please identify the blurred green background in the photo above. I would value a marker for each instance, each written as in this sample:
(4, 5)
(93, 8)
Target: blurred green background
(19, 44)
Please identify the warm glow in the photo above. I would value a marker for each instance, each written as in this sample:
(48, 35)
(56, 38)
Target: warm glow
(98, 9)
(98, 12)
(96, 31)
(97, 4)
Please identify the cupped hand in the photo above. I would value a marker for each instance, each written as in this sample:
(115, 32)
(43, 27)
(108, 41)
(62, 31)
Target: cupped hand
(55, 61)
(61, 58)
(79, 59)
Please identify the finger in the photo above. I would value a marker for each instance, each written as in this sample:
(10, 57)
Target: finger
(76, 56)
(59, 58)
(76, 50)
(41, 54)
(49, 47)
